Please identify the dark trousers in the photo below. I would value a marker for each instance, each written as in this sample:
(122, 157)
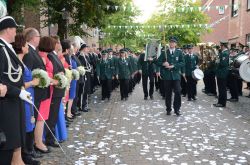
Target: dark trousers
(74, 105)
(6, 157)
(145, 84)
(170, 87)
(211, 83)
(240, 83)
(82, 96)
(191, 87)
(233, 86)
(131, 84)
(183, 86)
(157, 83)
(222, 88)
(162, 87)
(29, 143)
(124, 88)
(52, 120)
(106, 88)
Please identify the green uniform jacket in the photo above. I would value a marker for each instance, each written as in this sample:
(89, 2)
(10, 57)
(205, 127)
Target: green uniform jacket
(124, 69)
(222, 67)
(147, 67)
(133, 63)
(190, 64)
(114, 61)
(105, 69)
(176, 59)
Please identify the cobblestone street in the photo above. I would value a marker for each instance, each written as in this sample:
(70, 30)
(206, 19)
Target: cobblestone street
(138, 132)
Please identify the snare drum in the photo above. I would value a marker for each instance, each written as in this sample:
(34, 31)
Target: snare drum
(239, 60)
(245, 70)
(197, 74)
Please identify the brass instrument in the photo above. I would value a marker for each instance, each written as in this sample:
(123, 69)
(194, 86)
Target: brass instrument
(209, 54)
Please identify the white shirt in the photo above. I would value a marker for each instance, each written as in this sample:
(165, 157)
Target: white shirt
(33, 47)
(9, 45)
(55, 52)
(172, 51)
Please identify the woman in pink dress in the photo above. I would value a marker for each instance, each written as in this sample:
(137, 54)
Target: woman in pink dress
(45, 46)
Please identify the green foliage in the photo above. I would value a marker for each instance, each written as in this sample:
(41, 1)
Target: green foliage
(185, 35)
(126, 36)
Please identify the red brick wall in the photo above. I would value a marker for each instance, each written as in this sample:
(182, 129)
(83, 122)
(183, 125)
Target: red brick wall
(219, 31)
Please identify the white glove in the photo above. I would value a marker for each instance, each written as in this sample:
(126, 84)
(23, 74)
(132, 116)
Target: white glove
(26, 96)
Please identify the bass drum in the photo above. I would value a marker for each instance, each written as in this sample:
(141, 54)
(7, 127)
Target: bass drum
(245, 70)
(197, 74)
(239, 60)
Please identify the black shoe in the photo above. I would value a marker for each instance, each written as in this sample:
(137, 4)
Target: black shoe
(178, 113)
(219, 105)
(76, 114)
(168, 113)
(42, 151)
(122, 98)
(68, 119)
(233, 100)
(248, 96)
(194, 98)
(152, 97)
(145, 98)
(53, 144)
(189, 99)
(35, 154)
(183, 95)
(30, 161)
(85, 110)
(103, 98)
(108, 98)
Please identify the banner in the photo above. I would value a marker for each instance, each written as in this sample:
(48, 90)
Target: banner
(153, 49)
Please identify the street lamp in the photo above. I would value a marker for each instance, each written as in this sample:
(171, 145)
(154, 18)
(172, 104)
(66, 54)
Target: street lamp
(65, 16)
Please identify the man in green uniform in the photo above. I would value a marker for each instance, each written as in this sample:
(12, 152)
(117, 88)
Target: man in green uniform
(222, 68)
(113, 60)
(183, 78)
(233, 76)
(171, 63)
(105, 71)
(191, 63)
(123, 73)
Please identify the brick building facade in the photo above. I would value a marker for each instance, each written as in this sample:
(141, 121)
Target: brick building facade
(235, 27)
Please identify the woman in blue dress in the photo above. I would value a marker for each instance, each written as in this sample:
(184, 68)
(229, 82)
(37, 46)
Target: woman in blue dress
(61, 130)
(21, 48)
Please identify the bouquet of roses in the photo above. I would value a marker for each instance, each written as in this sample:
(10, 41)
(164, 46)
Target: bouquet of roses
(44, 80)
(81, 70)
(68, 74)
(75, 74)
(62, 80)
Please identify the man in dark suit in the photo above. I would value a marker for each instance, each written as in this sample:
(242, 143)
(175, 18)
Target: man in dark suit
(57, 95)
(171, 63)
(12, 115)
(85, 86)
(33, 61)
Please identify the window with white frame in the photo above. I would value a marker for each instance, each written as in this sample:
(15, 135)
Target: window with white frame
(235, 7)
(248, 5)
(221, 10)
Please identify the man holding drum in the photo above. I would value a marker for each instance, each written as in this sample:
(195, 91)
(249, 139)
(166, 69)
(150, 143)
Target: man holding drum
(222, 68)
(191, 63)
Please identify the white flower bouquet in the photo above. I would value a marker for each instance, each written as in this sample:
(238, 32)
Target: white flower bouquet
(81, 70)
(75, 74)
(68, 74)
(62, 80)
(44, 80)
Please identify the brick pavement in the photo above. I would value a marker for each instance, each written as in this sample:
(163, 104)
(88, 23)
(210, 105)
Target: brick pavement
(138, 132)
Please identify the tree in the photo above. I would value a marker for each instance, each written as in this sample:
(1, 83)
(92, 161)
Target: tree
(179, 17)
(121, 28)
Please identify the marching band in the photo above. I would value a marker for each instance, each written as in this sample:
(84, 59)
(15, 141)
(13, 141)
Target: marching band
(176, 71)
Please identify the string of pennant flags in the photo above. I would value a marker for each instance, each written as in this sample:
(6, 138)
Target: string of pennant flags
(168, 26)
(173, 26)
(176, 9)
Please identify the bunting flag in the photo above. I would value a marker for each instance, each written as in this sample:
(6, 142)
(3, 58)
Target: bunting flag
(177, 9)
(159, 26)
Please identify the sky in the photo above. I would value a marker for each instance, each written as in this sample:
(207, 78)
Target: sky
(147, 8)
